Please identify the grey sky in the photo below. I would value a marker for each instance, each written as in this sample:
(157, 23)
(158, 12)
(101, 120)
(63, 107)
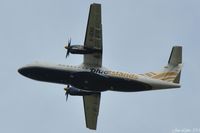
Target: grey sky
(137, 35)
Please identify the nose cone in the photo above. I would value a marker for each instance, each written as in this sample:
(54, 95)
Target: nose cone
(28, 71)
(22, 71)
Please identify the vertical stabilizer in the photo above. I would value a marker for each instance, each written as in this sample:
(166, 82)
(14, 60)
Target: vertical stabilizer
(171, 72)
(175, 56)
(174, 65)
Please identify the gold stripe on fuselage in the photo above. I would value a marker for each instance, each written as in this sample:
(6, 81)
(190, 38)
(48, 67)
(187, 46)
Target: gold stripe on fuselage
(164, 75)
(123, 75)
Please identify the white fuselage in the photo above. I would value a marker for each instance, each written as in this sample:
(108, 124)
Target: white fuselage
(93, 78)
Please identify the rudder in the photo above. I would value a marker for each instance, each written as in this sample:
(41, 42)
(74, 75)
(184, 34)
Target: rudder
(174, 64)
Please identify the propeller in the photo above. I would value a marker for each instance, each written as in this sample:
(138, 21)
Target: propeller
(68, 47)
(66, 92)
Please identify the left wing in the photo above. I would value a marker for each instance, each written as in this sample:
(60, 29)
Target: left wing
(91, 107)
(93, 36)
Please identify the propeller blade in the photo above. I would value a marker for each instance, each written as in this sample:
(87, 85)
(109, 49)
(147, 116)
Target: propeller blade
(69, 42)
(66, 94)
(67, 54)
(68, 47)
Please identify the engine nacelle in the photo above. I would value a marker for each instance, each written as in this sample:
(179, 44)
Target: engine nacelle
(81, 49)
(77, 92)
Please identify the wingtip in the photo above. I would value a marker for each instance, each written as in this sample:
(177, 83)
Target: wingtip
(97, 4)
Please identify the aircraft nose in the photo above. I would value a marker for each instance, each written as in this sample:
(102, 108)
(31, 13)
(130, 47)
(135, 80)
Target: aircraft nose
(25, 71)
(22, 71)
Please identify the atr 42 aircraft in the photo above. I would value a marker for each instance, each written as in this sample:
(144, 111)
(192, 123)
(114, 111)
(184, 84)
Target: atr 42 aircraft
(90, 78)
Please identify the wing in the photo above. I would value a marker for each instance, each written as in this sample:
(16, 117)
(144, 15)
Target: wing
(93, 37)
(93, 40)
(91, 107)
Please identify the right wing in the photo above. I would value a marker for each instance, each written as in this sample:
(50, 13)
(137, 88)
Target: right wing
(91, 107)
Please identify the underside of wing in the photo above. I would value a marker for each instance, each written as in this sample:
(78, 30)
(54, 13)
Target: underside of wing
(91, 107)
(93, 37)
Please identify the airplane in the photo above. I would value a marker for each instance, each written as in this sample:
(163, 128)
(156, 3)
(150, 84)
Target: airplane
(90, 78)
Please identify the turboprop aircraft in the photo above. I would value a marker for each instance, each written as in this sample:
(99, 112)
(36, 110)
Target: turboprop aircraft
(90, 78)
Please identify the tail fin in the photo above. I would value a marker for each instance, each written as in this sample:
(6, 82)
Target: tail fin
(175, 56)
(174, 65)
(171, 72)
